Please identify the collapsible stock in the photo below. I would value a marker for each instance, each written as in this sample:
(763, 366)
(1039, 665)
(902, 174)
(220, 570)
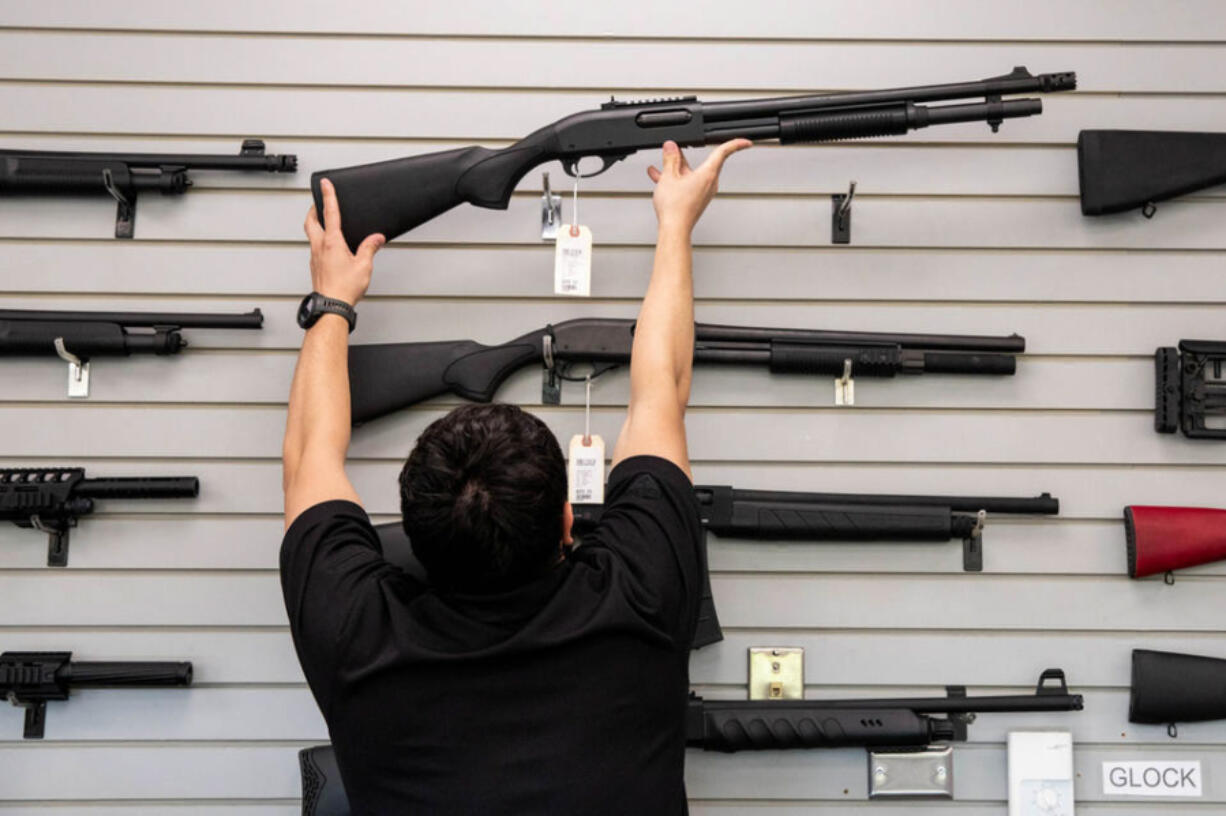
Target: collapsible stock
(1168, 687)
(1129, 169)
(1162, 539)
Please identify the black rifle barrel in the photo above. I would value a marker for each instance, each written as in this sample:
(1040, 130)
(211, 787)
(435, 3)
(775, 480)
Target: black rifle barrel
(714, 333)
(271, 162)
(1040, 505)
(185, 320)
(149, 487)
(125, 673)
(996, 86)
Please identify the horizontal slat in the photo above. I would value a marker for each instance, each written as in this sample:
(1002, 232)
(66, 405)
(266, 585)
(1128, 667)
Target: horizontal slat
(779, 222)
(974, 602)
(273, 113)
(875, 19)
(865, 658)
(286, 715)
(265, 378)
(847, 434)
(792, 67)
(1073, 329)
(264, 772)
(851, 273)
(1085, 491)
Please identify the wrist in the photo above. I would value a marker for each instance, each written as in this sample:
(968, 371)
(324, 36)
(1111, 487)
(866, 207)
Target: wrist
(339, 294)
(674, 229)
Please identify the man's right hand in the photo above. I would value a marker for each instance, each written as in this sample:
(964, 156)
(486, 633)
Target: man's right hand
(682, 193)
(335, 271)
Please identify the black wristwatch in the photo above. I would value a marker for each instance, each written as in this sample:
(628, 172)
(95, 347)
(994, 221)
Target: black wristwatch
(315, 306)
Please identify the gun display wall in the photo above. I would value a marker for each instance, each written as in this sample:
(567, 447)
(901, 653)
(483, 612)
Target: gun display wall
(923, 305)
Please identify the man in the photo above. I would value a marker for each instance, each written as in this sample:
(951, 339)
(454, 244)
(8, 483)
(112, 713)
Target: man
(526, 677)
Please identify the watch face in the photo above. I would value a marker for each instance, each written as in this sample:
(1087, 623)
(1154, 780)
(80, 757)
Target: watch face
(306, 310)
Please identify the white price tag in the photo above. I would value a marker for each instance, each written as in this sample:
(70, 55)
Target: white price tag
(585, 471)
(1153, 778)
(572, 262)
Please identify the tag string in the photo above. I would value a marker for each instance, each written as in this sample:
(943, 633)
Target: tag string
(574, 225)
(587, 412)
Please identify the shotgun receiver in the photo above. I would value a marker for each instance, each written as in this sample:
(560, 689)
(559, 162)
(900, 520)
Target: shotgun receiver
(387, 377)
(393, 197)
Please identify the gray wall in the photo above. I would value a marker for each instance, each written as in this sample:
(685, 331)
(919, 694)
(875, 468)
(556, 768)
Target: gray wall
(955, 230)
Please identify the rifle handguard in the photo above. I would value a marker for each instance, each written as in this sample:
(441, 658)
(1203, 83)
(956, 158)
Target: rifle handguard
(1163, 539)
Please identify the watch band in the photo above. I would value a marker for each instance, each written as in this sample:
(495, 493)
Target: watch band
(322, 304)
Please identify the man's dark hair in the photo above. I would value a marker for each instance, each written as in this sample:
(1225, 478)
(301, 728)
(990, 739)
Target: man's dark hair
(482, 495)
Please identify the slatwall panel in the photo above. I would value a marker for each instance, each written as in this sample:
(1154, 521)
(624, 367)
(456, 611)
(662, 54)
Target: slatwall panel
(955, 230)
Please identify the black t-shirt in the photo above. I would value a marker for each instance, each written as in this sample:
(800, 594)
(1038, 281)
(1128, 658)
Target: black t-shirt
(564, 696)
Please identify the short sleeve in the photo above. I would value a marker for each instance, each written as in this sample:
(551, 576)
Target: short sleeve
(651, 523)
(331, 561)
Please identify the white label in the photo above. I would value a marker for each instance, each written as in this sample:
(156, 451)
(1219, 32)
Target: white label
(572, 262)
(586, 470)
(1153, 779)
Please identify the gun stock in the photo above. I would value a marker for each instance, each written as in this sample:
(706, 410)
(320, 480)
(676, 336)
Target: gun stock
(1128, 169)
(387, 377)
(1168, 687)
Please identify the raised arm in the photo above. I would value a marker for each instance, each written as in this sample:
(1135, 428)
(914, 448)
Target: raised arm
(662, 357)
(317, 428)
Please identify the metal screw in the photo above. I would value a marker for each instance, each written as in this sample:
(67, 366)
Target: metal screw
(879, 775)
(940, 774)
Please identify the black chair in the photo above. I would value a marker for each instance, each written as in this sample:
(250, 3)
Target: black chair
(323, 793)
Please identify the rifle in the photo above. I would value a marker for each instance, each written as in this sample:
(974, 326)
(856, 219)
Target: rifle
(906, 724)
(1164, 539)
(123, 175)
(393, 197)
(1168, 687)
(76, 337)
(1190, 388)
(387, 377)
(51, 500)
(31, 679)
(774, 515)
(1125, 169)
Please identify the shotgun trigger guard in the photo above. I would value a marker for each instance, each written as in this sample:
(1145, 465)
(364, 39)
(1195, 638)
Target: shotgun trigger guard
(570, 166)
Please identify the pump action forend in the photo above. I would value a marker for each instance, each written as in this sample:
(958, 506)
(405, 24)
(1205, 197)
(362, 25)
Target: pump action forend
(51, 500)
(32, 679)
(388, 377)
(393, 197)
(77, 337)
(123, 176)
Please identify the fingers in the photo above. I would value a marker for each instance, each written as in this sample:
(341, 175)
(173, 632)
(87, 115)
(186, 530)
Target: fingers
(672, 159)
(332, 207)
(314, 232)
(653, 173)
(719, 155)
(368, 248)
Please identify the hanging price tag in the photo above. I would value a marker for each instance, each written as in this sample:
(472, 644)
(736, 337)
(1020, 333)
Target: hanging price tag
(585, 462)
(585, 472)
(572, 262)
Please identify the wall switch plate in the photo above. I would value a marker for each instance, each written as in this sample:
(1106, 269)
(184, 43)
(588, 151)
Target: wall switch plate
(776, 673)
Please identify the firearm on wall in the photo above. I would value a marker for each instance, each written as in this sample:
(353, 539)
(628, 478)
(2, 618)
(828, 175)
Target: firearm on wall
(905, 724)
(1122, 170)
(1190, 389)
(32, 679)
(1169, 688)
(123, 176)
(393, 197)
(78, 337)
(775, 515)
(387, 377)
(51, 500)
(1160, 540)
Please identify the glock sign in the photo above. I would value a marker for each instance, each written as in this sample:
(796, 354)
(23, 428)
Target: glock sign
(1153, 779)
